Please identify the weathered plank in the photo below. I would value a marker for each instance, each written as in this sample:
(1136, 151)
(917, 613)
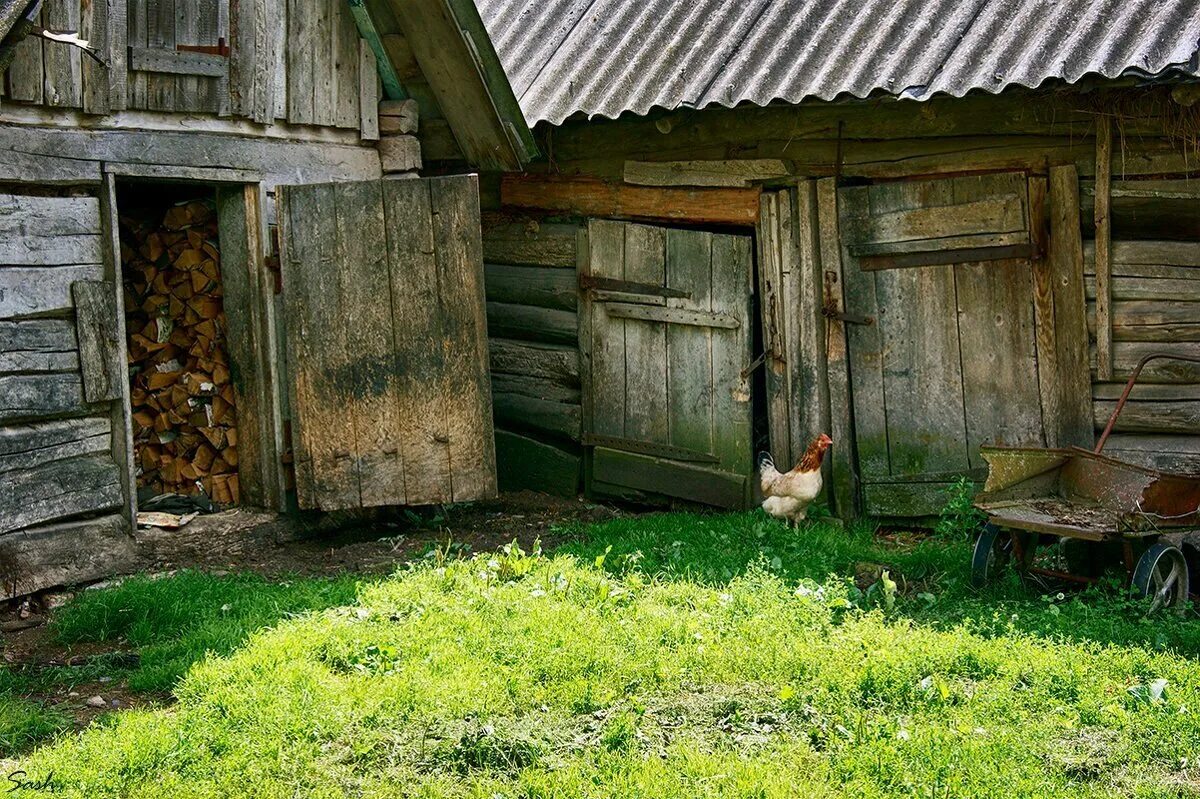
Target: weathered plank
(669, 478)
(38, 345)
(40, 395)
(674, 316)
(508, 320)
(24, 216)
(556, 363)
(30, 445)
(368, 93)
(1146, 288)
(907, 499)
(536, 387)
(30, 291)
(66, 554)
(160, 35)
(689, 349)
(38, 249)
(645, 344)
(58, 490)
(587, 197)
(1126, 355)
(25, 76)
(604, 398)
(1145, 416)
(402, 116)
(100, 353)
(520, 412)
(399, 153)
(529, 243)
(1166, 452)
(810, 383)
(845, 479)
(302, 41)
(176, 62)
(1065, 264)
(939, 226)
(1043, 313)
(63, 69)
(527, 464)
(729, 386)
(526, 285)
(1152, 320)
(95, 29)
(772, 253)
(1103, 255)
(346, 57)
(418, 328)
(729, 172)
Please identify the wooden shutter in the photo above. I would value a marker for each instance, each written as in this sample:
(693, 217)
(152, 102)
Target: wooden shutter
(667, 331)
(386, 343)
(178, 56)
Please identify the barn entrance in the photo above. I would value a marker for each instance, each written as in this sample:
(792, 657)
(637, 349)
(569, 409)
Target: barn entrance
(667, 331)
(184, 408)
(951, 331)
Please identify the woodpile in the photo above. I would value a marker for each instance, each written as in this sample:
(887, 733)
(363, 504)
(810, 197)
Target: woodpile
(184, 419)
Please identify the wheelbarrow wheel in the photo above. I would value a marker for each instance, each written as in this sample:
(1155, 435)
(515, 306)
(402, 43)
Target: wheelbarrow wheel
(993, 551)
(1161, 576)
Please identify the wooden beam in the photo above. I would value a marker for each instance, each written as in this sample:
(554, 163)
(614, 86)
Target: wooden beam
(1104, 364)
(1073, 382)
(728, 172)
(845, 473)
(674, 316)
(774, 311)
(67, 553)
(596, 198)
(151, 59)
(392, 87)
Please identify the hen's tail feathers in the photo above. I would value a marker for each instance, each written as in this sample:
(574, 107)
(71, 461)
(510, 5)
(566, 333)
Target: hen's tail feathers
(765, 459)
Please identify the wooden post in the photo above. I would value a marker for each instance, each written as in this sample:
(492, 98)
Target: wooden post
(1104, 358)
(1043, 312)
(773, 311)
(1073, 379)
(121, 411)
(845, 478)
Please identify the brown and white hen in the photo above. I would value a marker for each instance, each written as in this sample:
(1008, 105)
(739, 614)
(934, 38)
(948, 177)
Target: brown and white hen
(788, 494)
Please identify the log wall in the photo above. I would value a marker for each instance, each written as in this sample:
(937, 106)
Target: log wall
(530, 282)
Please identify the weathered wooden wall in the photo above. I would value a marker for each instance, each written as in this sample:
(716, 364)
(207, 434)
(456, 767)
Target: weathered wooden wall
(295, 61)
(531, 286)
(60, 452)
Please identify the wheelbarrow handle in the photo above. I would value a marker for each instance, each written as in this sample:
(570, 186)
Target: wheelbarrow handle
(1137, 371)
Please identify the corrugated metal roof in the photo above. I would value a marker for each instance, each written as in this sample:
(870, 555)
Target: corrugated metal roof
(606, 57)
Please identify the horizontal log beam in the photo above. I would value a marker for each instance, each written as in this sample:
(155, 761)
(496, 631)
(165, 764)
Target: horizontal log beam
(63, 554)
(596, 198)
(506, 320)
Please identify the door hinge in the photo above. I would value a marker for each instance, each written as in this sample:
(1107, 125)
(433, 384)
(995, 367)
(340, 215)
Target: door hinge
(829, 312)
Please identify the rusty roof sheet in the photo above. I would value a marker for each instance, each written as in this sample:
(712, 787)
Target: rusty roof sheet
(607, 57)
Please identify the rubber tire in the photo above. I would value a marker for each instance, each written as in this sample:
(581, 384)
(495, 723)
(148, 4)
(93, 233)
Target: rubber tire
(993, 551)
(1144, 572)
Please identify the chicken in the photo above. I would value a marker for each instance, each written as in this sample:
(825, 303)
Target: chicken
(789, 494)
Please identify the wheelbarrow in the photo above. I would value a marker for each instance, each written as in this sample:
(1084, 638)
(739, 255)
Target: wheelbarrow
(1098, 508)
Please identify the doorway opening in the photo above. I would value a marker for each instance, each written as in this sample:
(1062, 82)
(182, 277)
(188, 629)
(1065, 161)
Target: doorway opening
(184, 412)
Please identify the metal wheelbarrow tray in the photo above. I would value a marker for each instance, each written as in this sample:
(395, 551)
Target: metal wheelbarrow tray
(1096, 506)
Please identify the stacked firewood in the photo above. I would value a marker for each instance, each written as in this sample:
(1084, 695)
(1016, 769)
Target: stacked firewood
(184, 420)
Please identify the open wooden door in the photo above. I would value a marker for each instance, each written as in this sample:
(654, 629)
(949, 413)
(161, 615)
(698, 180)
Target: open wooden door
(952, 315)
(665, 333)
(386, 343)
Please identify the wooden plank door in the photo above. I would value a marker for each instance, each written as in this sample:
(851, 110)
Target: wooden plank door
(666, 331)
(386, 343)
(942, 332)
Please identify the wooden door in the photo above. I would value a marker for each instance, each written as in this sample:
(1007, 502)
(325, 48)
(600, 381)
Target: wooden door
(386, 343)
(943, 331)
(666, 340)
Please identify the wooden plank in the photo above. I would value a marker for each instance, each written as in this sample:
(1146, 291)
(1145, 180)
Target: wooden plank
(324, 20)
(587, 394)
(99, 344)
(1103, 223)
(1146, 258)
(368, 93)
(418, 318)
(730, 172)
(529, 285)
(70, 553)
(1152, 320)
(773, 313)
(527, 464)
(345, 58)
(120, 411)
(137, 35)
(670, 478)
(26, 216)
(810, 383)
(674, 316)
(38, 361)
(548, 417)
(160, 35)
(36, 249)
(536, 387)
(689, 349)
(1166, 452)
(40, 396)
(596, 198)
(508, 320)
(363, 265)
(529, 243)
(25, 75)
(1045, 334)
(732, 415)
(58, 490)
(1146, 288)
(1065, 260)
(401, 116)
(1127, 354)
(556, 363)
(38, 291)
(63, 69)
(179, 62)
(606, 346)
(399, 154)
(317, 354)
(1143, 416)
(94, 28)
(300, 52)
(845, 472)
(944, 227)
(116, 53)
(30, 445)
(907, 499)
(38, 336)
(645, 344)
(381, 55)
(270, 60)
(456, 229)
(187, 32)
(997, 338)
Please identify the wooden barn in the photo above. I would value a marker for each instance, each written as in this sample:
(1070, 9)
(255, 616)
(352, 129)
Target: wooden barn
(918, 226)
(221, 271)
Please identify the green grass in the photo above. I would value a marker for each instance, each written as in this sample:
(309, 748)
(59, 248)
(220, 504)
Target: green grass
(671, 655)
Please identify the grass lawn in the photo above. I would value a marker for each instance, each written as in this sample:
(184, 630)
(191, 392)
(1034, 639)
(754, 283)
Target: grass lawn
(670, 655)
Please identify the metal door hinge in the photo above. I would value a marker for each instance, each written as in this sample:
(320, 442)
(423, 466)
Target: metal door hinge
(849, 318)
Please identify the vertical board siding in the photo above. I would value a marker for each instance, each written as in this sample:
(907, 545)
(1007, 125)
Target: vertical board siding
(63, 71)
(25, 76)
(390, 400)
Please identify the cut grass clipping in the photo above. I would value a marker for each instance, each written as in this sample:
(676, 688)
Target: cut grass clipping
(662, 659)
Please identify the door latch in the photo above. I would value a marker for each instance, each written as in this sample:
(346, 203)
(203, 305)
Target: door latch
(829, 312)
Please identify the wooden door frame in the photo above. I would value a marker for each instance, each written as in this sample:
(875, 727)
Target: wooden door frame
(251, 298)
